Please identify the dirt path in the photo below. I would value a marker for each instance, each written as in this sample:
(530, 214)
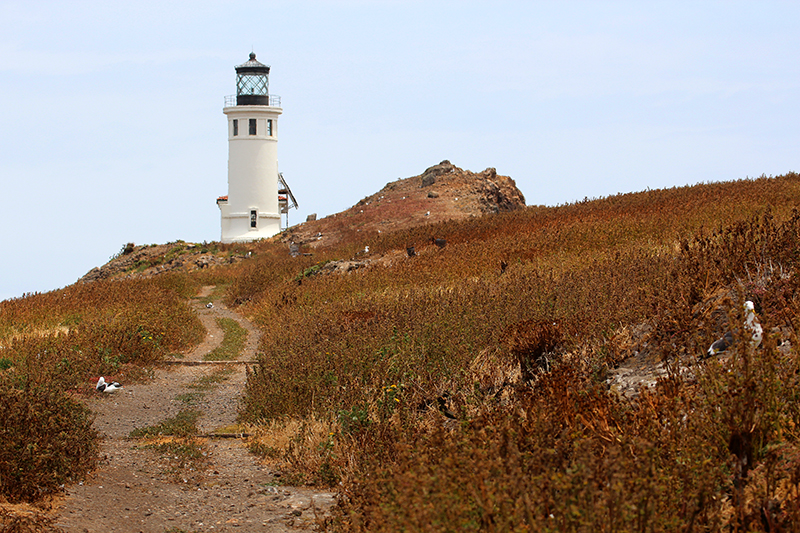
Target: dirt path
(137, 489)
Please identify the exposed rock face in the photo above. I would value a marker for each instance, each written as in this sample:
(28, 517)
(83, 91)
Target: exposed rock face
(442, 192)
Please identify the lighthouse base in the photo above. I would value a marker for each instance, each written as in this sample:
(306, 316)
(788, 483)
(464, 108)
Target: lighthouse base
(248, 226)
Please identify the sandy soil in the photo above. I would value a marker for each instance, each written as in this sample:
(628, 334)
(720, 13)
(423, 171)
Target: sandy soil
(135, 490)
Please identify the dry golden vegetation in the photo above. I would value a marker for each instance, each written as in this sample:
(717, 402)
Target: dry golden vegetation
(466, 388)
(53, 346)
(467, 385)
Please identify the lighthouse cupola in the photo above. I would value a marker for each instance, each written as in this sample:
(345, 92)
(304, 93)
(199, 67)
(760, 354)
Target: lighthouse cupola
(252, 82)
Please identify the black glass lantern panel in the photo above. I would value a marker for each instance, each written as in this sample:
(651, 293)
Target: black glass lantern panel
(251, 84)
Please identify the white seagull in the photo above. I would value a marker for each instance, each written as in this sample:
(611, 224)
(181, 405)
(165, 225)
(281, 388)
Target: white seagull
(751, 326)
(102, 386)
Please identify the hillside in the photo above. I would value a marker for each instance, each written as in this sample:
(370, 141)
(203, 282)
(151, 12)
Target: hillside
(545, 370)
(443, 192)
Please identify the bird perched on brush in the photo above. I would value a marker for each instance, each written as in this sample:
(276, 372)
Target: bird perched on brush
(751, 326)
(102, 386)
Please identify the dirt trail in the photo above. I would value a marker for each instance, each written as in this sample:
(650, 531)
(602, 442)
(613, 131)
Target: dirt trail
(134, 490)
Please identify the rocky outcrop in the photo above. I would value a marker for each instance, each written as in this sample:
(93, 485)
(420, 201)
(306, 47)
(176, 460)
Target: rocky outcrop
(442, 192)
(443, 168)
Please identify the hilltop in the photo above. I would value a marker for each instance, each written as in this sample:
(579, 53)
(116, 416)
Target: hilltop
(142, 261)
(443, 192)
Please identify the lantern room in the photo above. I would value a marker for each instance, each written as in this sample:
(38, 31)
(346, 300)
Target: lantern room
(252, 82)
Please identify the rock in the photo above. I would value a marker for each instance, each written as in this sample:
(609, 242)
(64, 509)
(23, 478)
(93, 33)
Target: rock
(342, 266)
(430, 175)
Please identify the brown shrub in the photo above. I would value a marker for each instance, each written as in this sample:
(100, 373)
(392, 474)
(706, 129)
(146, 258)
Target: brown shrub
(46, 440)
(531, 343)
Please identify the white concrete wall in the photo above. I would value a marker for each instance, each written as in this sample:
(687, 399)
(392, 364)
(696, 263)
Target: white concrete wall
(252, 175)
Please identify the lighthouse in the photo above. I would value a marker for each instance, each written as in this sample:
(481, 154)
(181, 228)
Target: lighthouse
(252, 209)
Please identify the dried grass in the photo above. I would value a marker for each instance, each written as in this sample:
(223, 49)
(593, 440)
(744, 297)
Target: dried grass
(433, 391)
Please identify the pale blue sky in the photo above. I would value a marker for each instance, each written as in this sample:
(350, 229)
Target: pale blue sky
(112, 126)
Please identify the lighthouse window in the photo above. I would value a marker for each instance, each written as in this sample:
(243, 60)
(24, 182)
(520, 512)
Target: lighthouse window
(235, 127)
(253, 218)
(269, 127)
(252, 126)
(251, 84)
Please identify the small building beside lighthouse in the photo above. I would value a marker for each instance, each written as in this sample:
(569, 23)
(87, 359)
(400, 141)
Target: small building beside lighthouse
(252, 208)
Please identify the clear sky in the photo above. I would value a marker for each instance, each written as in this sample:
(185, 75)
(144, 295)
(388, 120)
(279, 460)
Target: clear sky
(112, 128)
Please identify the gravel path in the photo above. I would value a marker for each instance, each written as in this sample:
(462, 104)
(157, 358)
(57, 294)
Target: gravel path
(134, 488)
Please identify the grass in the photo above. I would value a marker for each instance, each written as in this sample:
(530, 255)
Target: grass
(110, 324)
(300, 448)
(465, 388)
(190, 398)
(24, 518)
(233, 341)
(209, 381)
(518, 357)
(175, 441)
(183, 424)
(185, 457)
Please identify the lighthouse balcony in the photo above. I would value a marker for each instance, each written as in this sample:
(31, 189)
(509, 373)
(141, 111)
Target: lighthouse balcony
(272, 100)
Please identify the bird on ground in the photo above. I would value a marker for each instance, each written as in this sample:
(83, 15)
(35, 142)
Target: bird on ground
(410, 251)
(441, 243)
(721, 344)
(102, 386)
(751, 326)
(209, 305)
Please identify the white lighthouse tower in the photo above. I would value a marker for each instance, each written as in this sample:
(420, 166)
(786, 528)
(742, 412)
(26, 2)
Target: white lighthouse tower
(251, 209)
